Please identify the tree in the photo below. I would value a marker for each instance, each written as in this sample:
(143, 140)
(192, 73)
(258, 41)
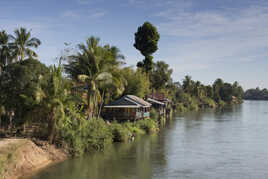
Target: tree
(237, 90)
(146, 39)
(5, 53)
(161, 75)
(94, 66)
(217, 85)
(209, 91)
(23, 43)
(55, 96)
(136, 82)
(20, 85)
(226, 92)
(197, 89)
(188, 84)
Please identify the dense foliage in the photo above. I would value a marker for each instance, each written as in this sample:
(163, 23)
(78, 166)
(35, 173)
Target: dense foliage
(20, 85)
(256, 94)
(63, 103)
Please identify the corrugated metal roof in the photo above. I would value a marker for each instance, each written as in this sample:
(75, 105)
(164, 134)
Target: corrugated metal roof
(155, 101)
(129, 101)
(139, 100)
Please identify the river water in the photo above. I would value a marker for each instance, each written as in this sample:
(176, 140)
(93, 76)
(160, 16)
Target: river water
(230, 143)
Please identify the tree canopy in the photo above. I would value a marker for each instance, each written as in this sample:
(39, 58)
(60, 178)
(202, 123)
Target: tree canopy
(146, 41)
(23, 43)
(19, 85)
(95, 67)
(161, 75)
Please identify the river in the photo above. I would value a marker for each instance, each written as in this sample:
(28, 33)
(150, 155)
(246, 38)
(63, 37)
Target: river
(228, 143)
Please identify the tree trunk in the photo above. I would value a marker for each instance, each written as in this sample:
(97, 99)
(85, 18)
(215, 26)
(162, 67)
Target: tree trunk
(22, 55)
(89, 97)
(95, 104)
(10, 121)
(51, 127)
(102, 96)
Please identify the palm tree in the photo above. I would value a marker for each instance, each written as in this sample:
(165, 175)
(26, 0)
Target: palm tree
(55, 96)
(5, 53)
(96, 67)
(23, 43)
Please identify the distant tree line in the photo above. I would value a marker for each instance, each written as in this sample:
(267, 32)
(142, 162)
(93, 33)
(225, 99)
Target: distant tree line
(192, 95)
(256, 94)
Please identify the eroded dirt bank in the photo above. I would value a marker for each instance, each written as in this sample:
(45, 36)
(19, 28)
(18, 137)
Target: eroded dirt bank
(22, 157)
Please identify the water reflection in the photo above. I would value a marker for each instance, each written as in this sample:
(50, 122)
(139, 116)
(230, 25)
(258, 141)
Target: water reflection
(227, 143)
(120, 161)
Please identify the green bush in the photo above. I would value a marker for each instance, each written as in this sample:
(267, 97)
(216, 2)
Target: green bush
(81, 135)
(221, 103)
(208, 102)
(133, 128)
(148, 125)
(181, 108)
(193, 106)
(154, 114)
(120, 132)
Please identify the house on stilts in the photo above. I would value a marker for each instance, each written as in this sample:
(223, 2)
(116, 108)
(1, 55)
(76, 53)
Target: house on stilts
(127, 108)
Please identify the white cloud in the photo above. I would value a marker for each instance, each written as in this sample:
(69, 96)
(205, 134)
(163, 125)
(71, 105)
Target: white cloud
(180, 4)
(210, 37)
(70, 14)
(92, 14)
(97, 14)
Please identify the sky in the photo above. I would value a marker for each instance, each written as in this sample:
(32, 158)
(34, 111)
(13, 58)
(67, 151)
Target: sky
(206, 39)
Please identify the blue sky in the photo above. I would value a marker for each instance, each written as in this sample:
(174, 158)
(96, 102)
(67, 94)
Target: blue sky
(206, 39)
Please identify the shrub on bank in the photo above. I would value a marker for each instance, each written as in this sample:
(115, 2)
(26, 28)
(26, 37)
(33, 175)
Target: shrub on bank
(208, 102)
(154, 114)
(133, 128)
(120, 132)
(221, 103)
(81, 135)
(181, 108)
(148, 125)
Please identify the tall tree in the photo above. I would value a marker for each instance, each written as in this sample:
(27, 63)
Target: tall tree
(146, 39)
(23, 43)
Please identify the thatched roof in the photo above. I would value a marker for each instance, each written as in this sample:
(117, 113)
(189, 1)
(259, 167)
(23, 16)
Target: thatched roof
(128, 101)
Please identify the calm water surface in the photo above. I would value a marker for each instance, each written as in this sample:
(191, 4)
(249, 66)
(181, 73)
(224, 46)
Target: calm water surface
(229, 143)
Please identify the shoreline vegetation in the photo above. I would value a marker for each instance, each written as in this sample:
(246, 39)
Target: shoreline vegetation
(62, 104)
(256, 94)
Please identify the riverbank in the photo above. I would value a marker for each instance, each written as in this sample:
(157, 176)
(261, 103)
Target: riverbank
(22, 157)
